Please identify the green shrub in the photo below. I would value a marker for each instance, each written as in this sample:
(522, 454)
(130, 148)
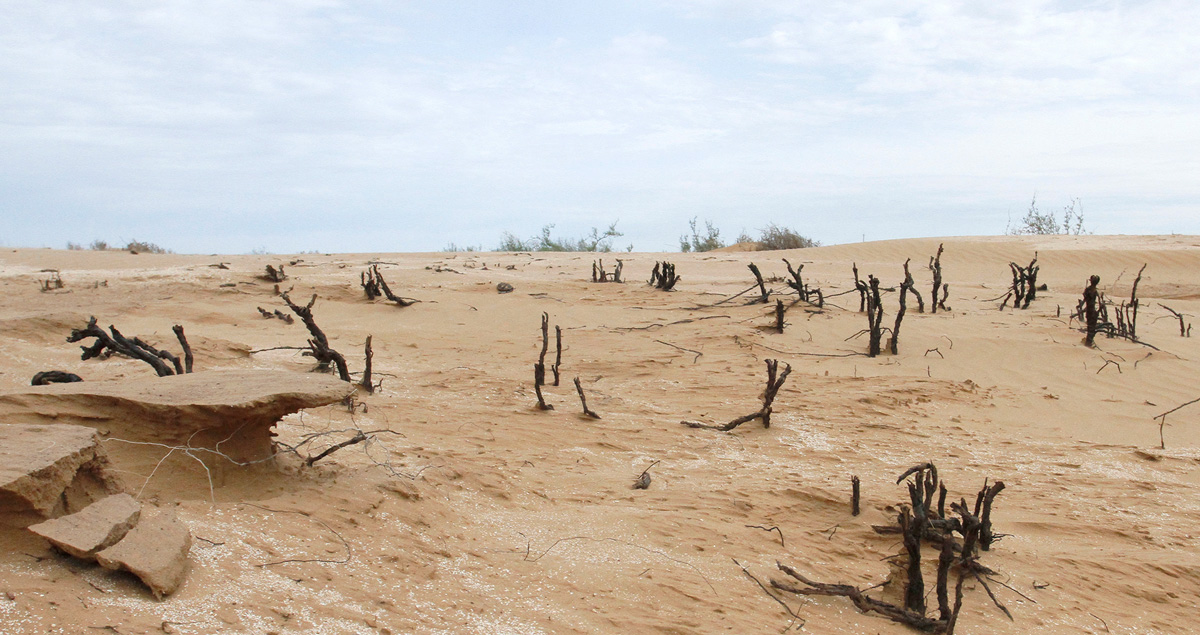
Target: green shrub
(774, 237)
(710, 241)
(594, 241)
(143, 247)
(1036, 222)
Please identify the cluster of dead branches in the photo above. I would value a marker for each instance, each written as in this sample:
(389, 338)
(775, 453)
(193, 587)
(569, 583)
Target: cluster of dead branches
(1024, 284)
(275, 315)
(271, 274)
(663, 276)
(600, 275)
(797, 283)
(775, 381)
(959, 537)
(318, 344)
(539, 369)
(376, 287)
(1185, 330)
(1092, 312)
(53, 283)
(116, 343)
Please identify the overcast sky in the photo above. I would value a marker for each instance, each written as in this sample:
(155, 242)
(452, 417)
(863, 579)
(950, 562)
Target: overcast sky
(231, 126)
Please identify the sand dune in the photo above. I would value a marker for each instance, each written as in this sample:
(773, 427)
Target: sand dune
(478, 513)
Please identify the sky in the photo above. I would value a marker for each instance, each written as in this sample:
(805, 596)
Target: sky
(220, 126)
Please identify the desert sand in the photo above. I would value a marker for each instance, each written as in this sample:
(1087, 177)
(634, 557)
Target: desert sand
(469, 510)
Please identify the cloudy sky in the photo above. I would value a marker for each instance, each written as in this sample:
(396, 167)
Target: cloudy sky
(231, 126)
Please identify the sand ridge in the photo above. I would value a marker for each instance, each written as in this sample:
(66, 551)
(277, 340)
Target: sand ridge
(483, 515)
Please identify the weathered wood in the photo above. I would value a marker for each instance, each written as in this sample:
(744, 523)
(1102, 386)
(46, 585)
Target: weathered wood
(935, 266)
(583, 400)
(318, 344)
(188, 358)
(1091, 297)
(774, 383)
(762, 288)
(47, 377)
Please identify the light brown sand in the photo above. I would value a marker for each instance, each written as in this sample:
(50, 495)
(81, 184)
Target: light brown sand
(493, 517)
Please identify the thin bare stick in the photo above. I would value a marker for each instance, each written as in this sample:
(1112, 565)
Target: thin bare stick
(583, 400)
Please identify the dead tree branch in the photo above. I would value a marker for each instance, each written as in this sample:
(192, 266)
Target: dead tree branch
(935, 266)
(583, 401)
(764, 413)
(663, 276)
(762, 288)
(318, 345)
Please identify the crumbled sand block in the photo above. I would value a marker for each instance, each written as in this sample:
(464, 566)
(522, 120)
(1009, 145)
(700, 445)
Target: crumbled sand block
(156, 551)
(234, 408)
(97, 526)
(50, 470)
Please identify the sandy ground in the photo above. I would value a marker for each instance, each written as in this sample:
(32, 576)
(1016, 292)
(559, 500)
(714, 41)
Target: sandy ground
(481, 514)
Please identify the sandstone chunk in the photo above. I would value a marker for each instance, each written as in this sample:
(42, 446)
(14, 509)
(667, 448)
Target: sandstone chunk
(97, 526)
(50, 470)
(156, 551)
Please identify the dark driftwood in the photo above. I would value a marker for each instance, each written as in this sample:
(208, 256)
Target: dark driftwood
(861, 287)
(1184, 330)
(188, 359)
(779, 313)
(47, 377)
(366, 378)
(107, 344)
(318, 344)
(274, 275)
(854, 495)
(600, 275)
(359, 437)
(762, 288)
(583, 401)
(1162, 421)
(806, 293)
(1127, 314)
(912, 287)
(1024, 284)
(774, 383)
(905, 287)
(663, 276)
(983, 509)
(557, 352)
(912, 529)
(874, 317)
(860, 599)
(286, 317)
(539, 369)
(1091, 297)
(375, 286)
(935, 266)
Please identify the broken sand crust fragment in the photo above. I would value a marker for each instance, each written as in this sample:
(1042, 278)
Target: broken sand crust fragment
(220, 422)
(50, 470)
(92, 529)
(155, 550)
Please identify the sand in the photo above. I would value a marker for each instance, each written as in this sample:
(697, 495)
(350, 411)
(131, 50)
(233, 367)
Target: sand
(478, 513)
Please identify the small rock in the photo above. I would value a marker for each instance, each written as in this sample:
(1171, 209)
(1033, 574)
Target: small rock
(504, 287)
(97, 526)
(156, 550)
